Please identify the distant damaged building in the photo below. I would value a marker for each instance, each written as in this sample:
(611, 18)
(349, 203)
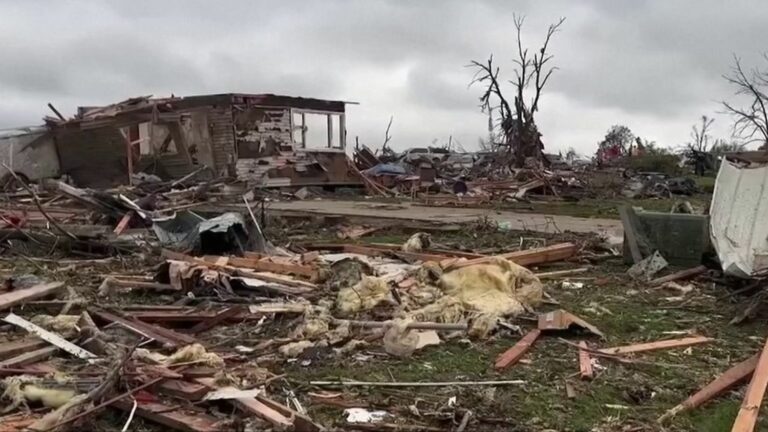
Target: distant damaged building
(266, 140)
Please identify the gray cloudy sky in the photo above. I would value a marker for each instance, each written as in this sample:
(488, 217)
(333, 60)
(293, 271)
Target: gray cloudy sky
(655, 66)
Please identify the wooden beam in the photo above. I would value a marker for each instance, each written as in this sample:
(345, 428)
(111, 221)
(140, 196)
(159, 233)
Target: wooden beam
(269, 266)
(585, 362)
(655, 346)
(528, 257)
(516, 352)
(682, 274)
(730, 378)
(746, 420)
(17, 297)
(123, 224)
(564, 320)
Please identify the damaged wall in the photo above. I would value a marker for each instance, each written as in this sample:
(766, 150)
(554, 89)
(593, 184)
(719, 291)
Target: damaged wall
(93, 158)
(29, 151)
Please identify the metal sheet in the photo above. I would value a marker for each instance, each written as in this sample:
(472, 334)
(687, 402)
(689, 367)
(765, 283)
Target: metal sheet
(739, 234)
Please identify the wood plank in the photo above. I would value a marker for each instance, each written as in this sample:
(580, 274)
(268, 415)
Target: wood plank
(585, 362)
(17, 297)
(563, 320)
(682, 274)
(29, 357)
(10, 349)
(174, 417)
(49, 337)
(655, 346)
(746, 420)
(274, 267)
(528, 257)
(516, 352)
(123, 224)
(252, 406)
(730, 378)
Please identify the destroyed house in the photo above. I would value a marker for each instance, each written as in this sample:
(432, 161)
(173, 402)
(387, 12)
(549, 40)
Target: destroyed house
(266, 140)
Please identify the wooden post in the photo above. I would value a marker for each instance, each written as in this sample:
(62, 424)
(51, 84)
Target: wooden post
(303, 130)
(343, 131)
(330, 130)
(129, 153)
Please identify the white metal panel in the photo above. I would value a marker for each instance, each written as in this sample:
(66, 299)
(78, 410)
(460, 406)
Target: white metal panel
(739, 216)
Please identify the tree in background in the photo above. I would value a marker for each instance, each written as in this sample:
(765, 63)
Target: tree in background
(522, 139)
(616, 144)
(697, 151)
(750, 120)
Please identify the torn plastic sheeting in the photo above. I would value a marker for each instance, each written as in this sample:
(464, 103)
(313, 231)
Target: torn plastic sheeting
(739, 233)
(179, 229)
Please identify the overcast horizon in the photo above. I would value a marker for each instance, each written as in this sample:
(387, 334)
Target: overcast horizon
(654, 66)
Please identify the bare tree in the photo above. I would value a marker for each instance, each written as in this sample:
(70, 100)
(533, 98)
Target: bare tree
(750, 121)
(532, 72)
(700, 135)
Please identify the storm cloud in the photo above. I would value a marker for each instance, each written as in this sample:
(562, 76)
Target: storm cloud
(655, 66)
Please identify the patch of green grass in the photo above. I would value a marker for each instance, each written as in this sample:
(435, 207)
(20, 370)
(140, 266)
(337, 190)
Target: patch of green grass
(715, 417)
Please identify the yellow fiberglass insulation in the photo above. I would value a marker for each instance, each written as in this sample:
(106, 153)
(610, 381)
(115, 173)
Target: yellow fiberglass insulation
(498, 288)
(365, 295)
(194, 352)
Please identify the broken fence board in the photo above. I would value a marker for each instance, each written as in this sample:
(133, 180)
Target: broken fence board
(17, 297)
(654, 346)
(49, 337)
(182, 389)
(516, 352)
(630, 234)
(269, 266)
(746, 420)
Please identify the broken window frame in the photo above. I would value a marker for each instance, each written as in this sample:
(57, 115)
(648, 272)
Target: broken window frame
(340, 140)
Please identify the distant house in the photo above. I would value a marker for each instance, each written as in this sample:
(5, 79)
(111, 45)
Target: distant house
(265, 139)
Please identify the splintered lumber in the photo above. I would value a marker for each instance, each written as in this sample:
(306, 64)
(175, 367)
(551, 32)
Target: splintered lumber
(49, 337)
(528, 257)
(750, 406)
(413, 325)
(28, 357)
(160, 334)
(658, 345)
(377, 251)
(585, 362)
(563, 320)
(123, 224)
(733, 376)
(682, 274)
(252, 406)
(561, 273)
(174, 417)
(17, 297)
(10, 349)
(512, 355)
